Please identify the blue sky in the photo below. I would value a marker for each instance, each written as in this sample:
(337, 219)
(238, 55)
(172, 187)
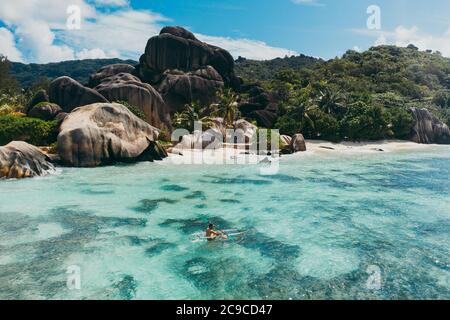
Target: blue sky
(35, 31)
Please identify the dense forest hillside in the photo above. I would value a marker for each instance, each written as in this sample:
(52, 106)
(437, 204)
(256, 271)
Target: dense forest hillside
(363, 95)
(252, 70)
(80, 70)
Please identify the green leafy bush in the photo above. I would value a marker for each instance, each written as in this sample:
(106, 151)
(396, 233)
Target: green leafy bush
(31, 130)
(402, 121)
(135, 110)
(366, 122)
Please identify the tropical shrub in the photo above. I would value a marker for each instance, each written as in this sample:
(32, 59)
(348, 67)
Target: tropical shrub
(135, 110)
(31, 130)
(366, 122)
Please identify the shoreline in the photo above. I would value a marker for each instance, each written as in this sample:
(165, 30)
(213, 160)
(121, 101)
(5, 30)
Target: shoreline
(367, 146)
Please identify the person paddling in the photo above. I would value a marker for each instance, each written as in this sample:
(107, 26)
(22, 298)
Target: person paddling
(212, 234)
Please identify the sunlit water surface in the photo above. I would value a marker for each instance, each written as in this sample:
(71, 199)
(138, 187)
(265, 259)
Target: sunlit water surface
(319, 229)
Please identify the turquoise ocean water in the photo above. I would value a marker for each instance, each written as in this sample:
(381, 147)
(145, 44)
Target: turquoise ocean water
(322, 228)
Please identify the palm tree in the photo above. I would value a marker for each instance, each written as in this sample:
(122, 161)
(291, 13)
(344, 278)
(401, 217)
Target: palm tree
(191, 114)
(299, 109)
(330, 101)
(227, 107)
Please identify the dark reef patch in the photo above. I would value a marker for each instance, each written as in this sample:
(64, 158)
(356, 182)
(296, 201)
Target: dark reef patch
(283, 178)
(126, 287)
(207, 273)
(96, 192)
(157, 246)
(200, 206)
(148, 205)
(270, 247)
(231, 201)
(173, 188)
(238, 180)
(190, 226)
(196, 195)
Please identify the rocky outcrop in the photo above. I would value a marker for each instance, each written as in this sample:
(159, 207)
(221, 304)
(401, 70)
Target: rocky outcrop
(109, 71)
(126, 87)
(105, 133)
(39, 97)
(298, 143)
(199, 140)
(261, 106)
(428, 128)
(177, 48)
(248, 130)
(19, 159)
(70, 94)
(45, 111)
(179, 88)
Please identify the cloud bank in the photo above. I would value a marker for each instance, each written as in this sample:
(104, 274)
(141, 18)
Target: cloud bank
(403, 36)
(36, 31)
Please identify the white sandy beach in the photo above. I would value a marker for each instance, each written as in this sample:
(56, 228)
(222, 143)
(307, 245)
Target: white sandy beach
(372, 146)
(230, 155)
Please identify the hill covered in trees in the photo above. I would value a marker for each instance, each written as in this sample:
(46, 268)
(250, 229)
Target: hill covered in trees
(364, 95)
(80, 70)
(253, 70)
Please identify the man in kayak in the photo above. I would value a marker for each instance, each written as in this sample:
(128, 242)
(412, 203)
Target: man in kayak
(212, 234)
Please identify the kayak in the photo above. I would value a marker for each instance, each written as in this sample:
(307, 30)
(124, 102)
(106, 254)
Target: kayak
(230, 233)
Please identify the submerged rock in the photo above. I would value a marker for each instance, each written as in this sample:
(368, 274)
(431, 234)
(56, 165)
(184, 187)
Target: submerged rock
(19, 159)
(126, 87)
(428, 128)
(70, 94)
(298, 143)
(104, 133)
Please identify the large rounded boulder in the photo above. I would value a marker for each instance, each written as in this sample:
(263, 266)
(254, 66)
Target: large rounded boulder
(19, 159)
(109, 71)
(177, 48)
(70, 94)
(105, 133)
(179, 88)
(298, 143)
(126, 87)
(428, 128)
(45, 111)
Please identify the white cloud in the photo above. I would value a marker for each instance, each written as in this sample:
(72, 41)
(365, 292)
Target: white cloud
(112, 3)
(38, 30)
(403, 36)
(251, 49)
(8, 46)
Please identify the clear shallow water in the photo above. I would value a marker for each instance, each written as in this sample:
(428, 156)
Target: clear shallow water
(313, 230)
